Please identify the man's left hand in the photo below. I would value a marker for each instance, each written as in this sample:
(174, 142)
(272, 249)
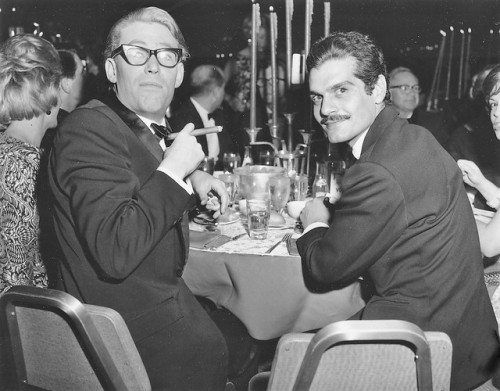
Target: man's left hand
(314, 212)
(206, 185)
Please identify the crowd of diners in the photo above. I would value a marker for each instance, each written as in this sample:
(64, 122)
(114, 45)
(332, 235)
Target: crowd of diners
(94, 198)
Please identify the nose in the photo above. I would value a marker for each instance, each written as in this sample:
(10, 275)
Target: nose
(152, 65)
(328, 106)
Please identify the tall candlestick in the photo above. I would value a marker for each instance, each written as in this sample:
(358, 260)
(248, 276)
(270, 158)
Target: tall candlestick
(435, 79)
(308, 20)
(448, 79)
(274, 87)
(461, 63)
(467, 60)
(327, 18)
(288, 32)
(253, 76)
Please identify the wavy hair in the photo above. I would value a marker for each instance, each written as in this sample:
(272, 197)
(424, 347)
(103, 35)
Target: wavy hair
(148, 15)
(491, 85)
(30, 74)
(369, 58)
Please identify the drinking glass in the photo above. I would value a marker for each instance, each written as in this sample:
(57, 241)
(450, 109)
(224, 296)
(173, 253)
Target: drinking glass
(230, 162)
(258, 214)
(231, 183)
(279, 187)
(298, 187)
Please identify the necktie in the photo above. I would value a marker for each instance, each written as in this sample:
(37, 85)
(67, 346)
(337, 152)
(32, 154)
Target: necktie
(160, 131)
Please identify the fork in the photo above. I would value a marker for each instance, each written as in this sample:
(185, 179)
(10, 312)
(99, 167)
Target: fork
(283, 239)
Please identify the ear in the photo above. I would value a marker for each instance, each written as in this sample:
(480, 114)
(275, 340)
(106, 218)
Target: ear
(380, 89)
(180, 75)
(66, 85)
(110, 68)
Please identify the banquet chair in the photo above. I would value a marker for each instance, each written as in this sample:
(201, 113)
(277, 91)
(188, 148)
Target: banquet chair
(51, 341)
(360, 355)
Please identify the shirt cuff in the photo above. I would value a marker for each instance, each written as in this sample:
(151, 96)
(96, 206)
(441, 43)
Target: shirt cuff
(185, 185)
(315, 225)
(494, 202)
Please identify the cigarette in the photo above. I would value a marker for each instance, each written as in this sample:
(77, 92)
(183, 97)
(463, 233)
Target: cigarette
(198, 132)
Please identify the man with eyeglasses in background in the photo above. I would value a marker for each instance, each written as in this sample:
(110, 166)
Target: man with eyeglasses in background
(405, 94)
(404, 91)
(121, 198)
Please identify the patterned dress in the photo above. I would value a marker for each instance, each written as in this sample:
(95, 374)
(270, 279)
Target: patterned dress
(20, 260)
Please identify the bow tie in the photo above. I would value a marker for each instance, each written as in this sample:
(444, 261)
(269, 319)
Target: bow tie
(160, 131)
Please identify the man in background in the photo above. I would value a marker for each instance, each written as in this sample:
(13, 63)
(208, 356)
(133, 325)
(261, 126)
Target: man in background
(203, 109)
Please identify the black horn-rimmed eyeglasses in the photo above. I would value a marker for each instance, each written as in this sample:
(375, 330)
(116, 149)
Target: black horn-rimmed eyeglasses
(137, 55)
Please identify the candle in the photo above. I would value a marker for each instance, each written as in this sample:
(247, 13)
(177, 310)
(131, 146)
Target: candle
(288, 32)
(437, 73)
(274, 87)
(327, 18)
(448, 79)
(467, 59)
(460, 64)
(253, 77)
(308, 19)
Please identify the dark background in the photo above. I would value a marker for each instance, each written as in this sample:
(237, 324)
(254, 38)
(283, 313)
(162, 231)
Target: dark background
(407, 30)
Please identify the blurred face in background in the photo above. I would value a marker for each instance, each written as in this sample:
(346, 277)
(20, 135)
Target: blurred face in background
(405, 93)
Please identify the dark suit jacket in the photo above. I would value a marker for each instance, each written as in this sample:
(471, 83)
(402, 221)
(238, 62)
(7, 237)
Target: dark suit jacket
(186, 113)
(119, 222)
(405, 219)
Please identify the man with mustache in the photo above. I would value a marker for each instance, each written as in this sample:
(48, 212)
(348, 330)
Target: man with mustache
(121, 198)
(403, 221)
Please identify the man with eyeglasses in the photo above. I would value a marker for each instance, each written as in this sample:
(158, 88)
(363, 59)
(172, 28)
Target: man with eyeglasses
(121, 198)
(404, 91)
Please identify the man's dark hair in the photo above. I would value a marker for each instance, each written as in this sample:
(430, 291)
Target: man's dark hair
(369, 58)
(68, 63)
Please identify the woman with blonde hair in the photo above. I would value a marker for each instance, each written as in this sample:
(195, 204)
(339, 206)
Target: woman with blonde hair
(30, 75)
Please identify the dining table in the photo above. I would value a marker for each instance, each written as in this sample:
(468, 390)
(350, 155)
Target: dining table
(266, 291)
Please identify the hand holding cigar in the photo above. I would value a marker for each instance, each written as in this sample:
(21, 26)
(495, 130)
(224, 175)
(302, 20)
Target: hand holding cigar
(198, 132)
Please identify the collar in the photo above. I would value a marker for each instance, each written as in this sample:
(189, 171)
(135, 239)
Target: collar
(357, 143)
(148, 122)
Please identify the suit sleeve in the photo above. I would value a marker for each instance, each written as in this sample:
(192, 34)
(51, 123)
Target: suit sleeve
(118, 219)
(370, 217)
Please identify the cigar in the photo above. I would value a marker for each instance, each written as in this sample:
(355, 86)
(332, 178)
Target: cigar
(198, 132)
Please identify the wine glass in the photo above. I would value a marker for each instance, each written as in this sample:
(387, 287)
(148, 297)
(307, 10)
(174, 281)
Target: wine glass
(231, 183)
(279, 187)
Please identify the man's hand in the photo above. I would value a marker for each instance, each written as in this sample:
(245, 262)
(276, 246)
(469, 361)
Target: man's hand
(212, 192)
(314, 212)
(184, 155)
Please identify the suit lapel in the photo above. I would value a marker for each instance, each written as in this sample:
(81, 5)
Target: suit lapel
(135, 124)
(151, 143)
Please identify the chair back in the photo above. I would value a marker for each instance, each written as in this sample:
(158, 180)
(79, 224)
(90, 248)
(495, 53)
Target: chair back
(50, 340)
(363, 355)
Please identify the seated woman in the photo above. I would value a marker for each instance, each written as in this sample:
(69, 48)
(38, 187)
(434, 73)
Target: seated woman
(29, 93)
(489, 234)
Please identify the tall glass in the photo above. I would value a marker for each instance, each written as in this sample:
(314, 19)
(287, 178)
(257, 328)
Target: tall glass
(230, 162)
(336, 171)
(258, 215)
(279, 187)
(320, 185)
(298, 187)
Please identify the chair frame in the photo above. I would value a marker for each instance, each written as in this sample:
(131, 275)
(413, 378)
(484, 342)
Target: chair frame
(78, 318)
(366, 330)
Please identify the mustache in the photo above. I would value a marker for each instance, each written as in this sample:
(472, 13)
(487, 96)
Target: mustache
(334, 118)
